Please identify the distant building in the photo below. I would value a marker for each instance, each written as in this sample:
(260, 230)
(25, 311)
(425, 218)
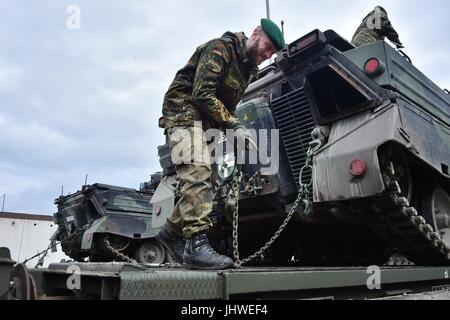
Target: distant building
(26, 235)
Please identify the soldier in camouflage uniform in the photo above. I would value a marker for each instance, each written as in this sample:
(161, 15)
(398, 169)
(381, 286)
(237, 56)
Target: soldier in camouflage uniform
(207, 90)
(374, 27)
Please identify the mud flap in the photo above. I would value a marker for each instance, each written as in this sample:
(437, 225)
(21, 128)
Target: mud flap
(163, 202)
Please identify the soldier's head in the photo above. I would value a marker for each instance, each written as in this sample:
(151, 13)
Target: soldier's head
(264, 42)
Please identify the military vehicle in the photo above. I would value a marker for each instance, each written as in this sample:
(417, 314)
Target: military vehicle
(377, 133)
(106, 223)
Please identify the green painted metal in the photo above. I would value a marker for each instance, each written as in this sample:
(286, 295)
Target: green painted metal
(404, 77)
(170, 285)
(310, 279)
(163, 283)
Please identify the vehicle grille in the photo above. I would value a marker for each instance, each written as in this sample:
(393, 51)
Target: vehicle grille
(295, 122)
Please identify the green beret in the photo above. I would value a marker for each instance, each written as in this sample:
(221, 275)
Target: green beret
(274, 33)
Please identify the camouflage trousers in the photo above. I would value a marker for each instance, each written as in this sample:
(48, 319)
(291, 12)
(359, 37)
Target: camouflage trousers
(191, 212)
(365, 37)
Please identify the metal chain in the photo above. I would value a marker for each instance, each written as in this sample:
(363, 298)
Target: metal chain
(303, 197)
(106, 243)
(54, 245)
(116, 253)
(237, 189)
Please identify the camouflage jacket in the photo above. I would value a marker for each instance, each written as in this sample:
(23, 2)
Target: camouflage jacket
(210, 86)
(372, 29)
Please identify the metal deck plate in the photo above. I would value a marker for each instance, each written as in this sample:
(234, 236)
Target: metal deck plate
(170, 285)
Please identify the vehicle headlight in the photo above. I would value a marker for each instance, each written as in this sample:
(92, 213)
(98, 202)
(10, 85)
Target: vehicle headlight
(226, 165)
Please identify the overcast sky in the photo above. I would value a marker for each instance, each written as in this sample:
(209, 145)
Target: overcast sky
(86, 101)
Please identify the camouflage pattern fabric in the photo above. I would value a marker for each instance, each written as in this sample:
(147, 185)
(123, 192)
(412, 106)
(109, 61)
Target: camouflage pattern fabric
(210, 86)
(375, 27)
(207, 89)
(191, 212)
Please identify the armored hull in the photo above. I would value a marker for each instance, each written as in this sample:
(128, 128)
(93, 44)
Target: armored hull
(391, 122)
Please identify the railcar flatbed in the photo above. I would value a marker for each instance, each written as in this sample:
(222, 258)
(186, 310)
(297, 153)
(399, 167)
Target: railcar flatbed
(123, 281)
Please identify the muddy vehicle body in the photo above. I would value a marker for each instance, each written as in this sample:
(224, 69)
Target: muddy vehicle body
(105, 223)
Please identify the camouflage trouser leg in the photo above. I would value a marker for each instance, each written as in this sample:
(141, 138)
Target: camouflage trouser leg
(364, 38)
(191, 212)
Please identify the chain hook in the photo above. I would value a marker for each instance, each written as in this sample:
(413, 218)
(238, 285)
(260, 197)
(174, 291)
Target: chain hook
(314, 146)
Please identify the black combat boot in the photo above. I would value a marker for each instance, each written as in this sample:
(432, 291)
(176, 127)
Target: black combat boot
(173, 241)
(199, 254)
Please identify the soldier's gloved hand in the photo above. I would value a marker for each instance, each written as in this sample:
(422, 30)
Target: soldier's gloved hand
(398, 45)
(241, 132)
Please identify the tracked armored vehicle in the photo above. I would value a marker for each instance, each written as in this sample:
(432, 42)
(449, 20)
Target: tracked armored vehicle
(378, 183)
(105, 223)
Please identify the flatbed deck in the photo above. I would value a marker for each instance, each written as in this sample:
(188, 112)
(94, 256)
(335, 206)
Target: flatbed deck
(130, 282)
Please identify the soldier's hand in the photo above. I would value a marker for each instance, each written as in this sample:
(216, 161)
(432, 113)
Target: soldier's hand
(399, 45)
